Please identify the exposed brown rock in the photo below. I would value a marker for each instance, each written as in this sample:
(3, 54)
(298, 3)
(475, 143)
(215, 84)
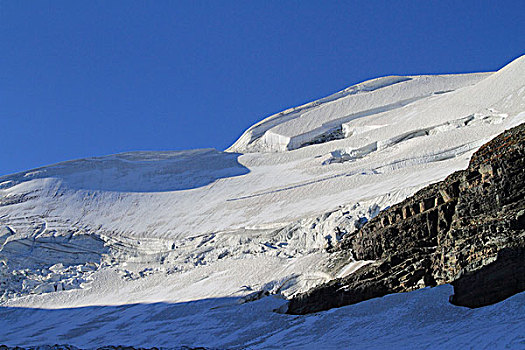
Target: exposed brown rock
(468, 230)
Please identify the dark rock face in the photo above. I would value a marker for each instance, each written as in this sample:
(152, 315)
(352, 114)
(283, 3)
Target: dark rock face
(468, 230)
(492, 283)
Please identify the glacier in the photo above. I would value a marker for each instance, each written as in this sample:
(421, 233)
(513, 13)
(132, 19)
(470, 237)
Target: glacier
(200, 247)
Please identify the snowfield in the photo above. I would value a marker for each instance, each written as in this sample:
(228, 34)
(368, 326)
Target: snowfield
(416, 320)
(199, 247)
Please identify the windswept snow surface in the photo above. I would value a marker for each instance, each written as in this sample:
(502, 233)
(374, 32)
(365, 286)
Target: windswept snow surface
(418, 320)
(189, 235)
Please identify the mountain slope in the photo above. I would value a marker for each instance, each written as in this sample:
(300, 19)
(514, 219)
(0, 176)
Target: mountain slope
(172, 227)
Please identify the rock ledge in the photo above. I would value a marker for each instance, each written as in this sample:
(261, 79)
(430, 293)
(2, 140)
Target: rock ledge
(468, 230)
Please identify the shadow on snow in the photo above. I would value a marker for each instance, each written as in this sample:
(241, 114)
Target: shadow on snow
(138, 171)
(414, 320)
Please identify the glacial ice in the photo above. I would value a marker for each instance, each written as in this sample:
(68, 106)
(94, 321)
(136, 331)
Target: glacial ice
(201, 237)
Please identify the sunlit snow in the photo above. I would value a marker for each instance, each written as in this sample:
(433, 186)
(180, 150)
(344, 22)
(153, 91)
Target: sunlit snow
(170, 248)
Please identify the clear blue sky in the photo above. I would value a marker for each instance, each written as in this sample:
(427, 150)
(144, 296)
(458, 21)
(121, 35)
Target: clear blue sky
(89, 78)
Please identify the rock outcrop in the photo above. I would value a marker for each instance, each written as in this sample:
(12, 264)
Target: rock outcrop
(468, 230)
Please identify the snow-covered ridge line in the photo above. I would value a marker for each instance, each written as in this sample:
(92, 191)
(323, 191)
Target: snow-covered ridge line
(137, 171)
(259, 128)
(294, 127)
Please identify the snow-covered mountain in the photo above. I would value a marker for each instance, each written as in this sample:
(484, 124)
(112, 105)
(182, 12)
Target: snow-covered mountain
(189, 243)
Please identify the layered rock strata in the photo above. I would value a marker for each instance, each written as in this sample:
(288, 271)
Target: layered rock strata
(468, 230)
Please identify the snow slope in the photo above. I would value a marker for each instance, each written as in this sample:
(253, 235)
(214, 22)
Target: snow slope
(416, 320)
(292, 128)
(173, 227)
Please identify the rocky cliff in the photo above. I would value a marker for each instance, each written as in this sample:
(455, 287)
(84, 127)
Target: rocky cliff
(468, 230)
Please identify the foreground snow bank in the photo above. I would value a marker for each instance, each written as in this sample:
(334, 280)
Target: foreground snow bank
(416, 320)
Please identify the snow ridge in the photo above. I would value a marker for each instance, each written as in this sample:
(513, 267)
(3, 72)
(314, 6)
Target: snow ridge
(229, 228)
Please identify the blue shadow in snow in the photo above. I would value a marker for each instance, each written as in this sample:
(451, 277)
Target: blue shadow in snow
(419, 319)
(191, 324)
(139, 171)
